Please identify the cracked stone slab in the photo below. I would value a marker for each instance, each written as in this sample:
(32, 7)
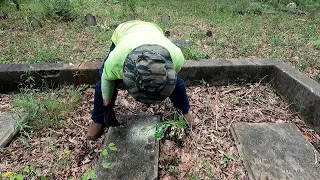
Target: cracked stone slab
(7, 121)
(276, 151)
(137, 152)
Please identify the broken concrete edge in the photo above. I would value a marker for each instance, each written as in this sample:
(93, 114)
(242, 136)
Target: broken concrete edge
(289, 83)
(11, 128)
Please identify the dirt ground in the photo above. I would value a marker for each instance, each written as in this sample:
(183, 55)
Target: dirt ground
(5, 103)
(215, 108)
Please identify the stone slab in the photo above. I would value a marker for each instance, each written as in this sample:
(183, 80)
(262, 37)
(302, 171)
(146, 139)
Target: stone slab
(138, 151)
(7, 121)
(276, 151)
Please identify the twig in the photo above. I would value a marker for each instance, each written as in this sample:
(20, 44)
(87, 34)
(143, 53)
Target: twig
(229, 127)
(231, 90)
(315, 157)
(201, 149)
(79, 125)
(55, 131)
(256, 85)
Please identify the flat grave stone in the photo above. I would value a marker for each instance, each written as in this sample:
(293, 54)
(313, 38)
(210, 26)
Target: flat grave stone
(276, 151)
(7, 121)
(137, 152)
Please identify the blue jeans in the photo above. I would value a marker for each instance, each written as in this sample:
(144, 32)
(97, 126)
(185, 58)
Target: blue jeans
(178, 97)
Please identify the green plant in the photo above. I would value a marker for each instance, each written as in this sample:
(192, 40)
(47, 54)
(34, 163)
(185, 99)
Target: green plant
(16, 177)
(64, 161)
(174, 170)
(105, 154)
(50, 7)
(106, 165)
(44, 109)
(24, 141)
(237, 175)
(128, 6)
(50, 145)
(90, 174)
(194, 176)
(112, 147)
(317, 77)
(204, 83)
(65, 151)
(163, 158)
(302, 65)
(162, 126)
(193, 53)
(224, 158)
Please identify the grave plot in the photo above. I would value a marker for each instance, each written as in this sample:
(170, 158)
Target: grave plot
(210, 151)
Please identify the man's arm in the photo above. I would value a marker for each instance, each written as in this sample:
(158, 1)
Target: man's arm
(107, 87)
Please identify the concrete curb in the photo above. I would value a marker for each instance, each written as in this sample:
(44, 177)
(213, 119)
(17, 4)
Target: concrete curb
(297, 89)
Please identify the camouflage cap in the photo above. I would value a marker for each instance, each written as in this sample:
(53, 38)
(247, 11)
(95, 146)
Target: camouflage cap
(148, 74)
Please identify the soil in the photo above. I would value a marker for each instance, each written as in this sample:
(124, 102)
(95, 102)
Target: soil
(5, 103)
(214, 108)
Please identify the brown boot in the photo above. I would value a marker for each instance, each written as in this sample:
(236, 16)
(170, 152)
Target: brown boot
(95, 131)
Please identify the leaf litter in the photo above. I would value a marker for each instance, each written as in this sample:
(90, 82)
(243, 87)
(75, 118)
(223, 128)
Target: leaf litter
(209, 152)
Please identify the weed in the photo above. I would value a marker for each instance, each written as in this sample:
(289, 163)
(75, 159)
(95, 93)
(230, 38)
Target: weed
(206, 164)
(105, 154)
(224, 158)
(237, 175)
(128, 6)
(163, 158)
(64, 161)
(50, 145)
(193, 53)
(106, 165)
(16, 177)
(90, 174)
(162, 126)
(204, 83)
(194, 176)
(317, 77)
(302, 65)
(235, 99)
(65, 151)
(112, 147)
(45, 109)
(247, 49)
(24, 141)
(174, 170)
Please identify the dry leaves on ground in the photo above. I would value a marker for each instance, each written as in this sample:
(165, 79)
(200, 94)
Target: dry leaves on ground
(198, 158)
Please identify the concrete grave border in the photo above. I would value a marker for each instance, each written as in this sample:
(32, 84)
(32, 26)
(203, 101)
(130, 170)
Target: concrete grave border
(300, 91)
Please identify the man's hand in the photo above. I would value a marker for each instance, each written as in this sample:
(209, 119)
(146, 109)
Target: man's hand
(106, 102)
(110, 117)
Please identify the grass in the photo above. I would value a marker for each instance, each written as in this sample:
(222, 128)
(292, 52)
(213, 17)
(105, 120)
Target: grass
(44, 109)
(264, 32)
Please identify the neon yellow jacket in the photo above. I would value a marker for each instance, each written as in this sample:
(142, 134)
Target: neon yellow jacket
(127, 37)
